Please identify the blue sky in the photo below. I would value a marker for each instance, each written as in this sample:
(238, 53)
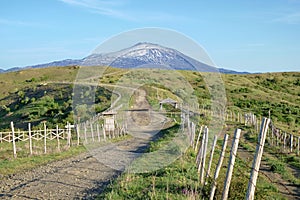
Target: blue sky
(254, 36)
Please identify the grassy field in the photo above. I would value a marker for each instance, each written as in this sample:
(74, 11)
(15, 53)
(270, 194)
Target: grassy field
(180, 180)
(36, 95)
(259, 93)
(24, 161)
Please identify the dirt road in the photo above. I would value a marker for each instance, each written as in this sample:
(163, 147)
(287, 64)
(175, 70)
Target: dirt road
(80, 177)
(86, 175)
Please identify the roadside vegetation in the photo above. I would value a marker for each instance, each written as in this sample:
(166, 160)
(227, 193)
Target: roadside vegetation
(10, 166)
(38, 95)
(180, 180)
(34, 95)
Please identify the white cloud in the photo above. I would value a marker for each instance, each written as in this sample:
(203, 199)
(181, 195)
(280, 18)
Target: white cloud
(109, 8)
(122, 9)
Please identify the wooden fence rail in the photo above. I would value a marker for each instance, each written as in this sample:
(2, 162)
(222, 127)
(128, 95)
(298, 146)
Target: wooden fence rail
(68, 134)
(275, 137)
(202, 149)
(32, 134)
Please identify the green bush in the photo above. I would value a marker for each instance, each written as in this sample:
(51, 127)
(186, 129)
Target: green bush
(278, 167)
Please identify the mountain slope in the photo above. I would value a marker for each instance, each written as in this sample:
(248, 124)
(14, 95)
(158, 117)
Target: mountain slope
(147, 55)
(140, 55)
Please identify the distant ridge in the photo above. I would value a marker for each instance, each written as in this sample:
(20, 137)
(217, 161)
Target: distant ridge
(139, 55)
(228, 71)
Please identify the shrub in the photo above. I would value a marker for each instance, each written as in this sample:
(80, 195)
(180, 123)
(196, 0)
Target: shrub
(277, 167)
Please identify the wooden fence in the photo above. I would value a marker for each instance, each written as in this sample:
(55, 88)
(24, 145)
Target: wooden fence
(204, 167)
(276, 137)
(92, 131)
(42, 135)
(21, 135)
(84, 133)
(266, 131)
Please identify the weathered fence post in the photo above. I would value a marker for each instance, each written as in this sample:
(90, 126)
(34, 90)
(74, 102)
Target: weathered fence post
(257, 159)
(199, 135)
(204, 157)
(272, 136)
(68, 134)
(30, 138)
(277, 137)
(218, 168)
(57, 138)
(45, 138)
(104, 134)
(92, 131)
(211, 156)
(284, 141)
(200, 152)
(298, 151)
(257, 125)
(193, 131)
(85, 139)
(78, 134)
(98, 132)
(13, 139)
(234, 148)
(291, 143)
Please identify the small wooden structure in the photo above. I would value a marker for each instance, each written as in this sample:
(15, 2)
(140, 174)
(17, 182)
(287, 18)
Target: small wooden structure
(168, 101)
(109, 121)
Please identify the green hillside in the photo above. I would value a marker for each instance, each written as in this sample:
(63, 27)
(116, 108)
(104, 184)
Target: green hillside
(259, 93)
(35, 95)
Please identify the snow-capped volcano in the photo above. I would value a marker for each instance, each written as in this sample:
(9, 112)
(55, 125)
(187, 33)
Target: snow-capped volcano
(139, 55)
(147, 54)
